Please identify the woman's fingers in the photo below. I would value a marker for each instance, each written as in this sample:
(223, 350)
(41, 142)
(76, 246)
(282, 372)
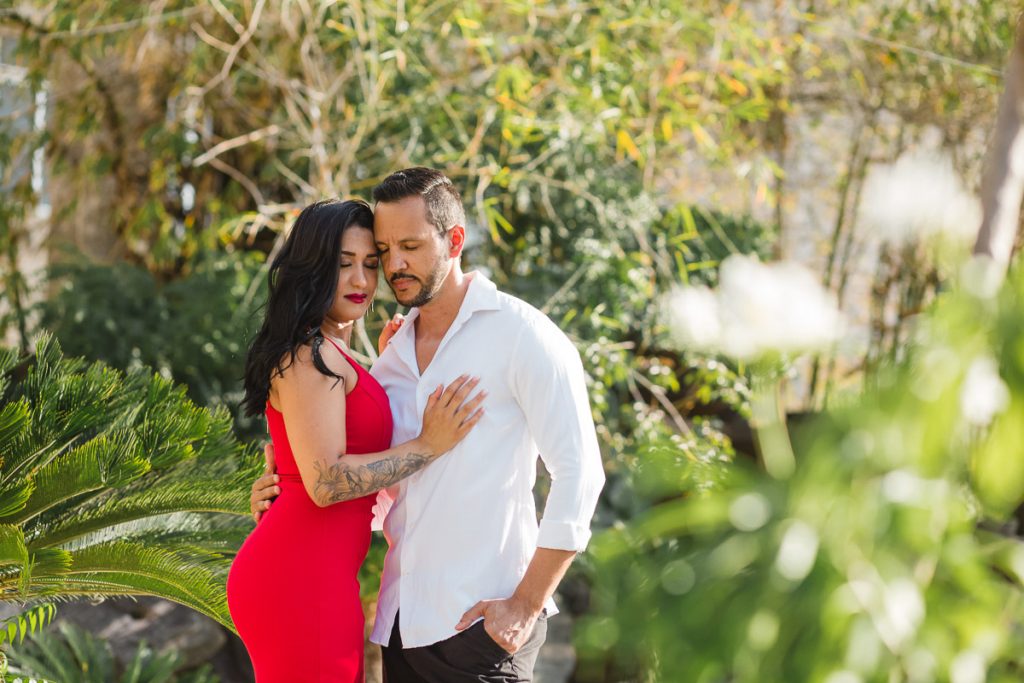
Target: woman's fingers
(469, 406)
(453, 388)
(470, 422)
(460, 394)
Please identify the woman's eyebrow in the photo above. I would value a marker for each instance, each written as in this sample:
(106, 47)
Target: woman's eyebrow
(353, 254)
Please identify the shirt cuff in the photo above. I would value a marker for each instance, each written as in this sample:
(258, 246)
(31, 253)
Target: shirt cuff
(562, 536)
(380, 510)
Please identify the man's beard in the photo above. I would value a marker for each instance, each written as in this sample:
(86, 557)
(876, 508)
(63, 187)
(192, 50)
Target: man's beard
(427, 289)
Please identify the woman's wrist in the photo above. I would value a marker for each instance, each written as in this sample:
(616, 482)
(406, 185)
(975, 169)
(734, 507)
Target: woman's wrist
(420, 446)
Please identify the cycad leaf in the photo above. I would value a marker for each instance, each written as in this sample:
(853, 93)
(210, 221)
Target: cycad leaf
(8, 359)
(93, 655)
(47, 656)
(115, 484)
(32, 620)
(14, 423)
(214, 485)
(187, 575)
(72, 654)
(14, 497)
(12, 546)
(48, 562)
(97, 464)
(150, 667)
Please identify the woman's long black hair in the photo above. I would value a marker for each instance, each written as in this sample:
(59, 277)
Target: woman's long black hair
(302, 281)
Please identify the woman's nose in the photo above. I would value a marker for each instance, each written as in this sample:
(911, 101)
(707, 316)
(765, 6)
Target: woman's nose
(359, 278)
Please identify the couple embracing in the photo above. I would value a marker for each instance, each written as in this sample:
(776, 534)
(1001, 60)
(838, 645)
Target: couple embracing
(440, 438)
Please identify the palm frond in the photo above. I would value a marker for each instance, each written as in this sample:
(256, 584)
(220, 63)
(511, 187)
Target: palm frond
(75, 655)
(116, 484)
(204, 485)
(14, 422)
(12, 546)
(14, 629)
(102, 462)
(190, 576)
(149, 667)
(129, 583)
(72, 654)
(220, 442)
(14, 497)
(8, 359)
(182, 529)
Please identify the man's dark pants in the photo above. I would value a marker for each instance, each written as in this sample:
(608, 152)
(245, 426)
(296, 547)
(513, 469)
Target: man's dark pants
(471, 655)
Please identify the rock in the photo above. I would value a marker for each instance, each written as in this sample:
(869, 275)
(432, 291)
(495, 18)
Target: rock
(124, 623)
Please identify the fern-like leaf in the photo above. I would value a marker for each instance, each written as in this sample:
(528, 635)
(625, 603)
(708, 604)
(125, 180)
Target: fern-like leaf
(32, 620)
(97, 464)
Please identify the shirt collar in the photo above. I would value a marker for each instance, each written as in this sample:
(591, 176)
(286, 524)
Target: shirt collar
(482, 295)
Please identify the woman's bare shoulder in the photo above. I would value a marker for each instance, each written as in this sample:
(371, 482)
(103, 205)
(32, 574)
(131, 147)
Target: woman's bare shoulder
(301, 372)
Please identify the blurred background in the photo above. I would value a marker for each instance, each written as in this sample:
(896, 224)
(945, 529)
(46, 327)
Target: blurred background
(755, 219)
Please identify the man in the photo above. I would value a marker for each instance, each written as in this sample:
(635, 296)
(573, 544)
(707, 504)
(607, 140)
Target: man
(469, 575)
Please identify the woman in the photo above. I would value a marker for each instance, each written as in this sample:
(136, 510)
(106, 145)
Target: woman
(293, 590)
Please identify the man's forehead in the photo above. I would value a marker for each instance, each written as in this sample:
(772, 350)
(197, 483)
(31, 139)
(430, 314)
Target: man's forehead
(405, 219)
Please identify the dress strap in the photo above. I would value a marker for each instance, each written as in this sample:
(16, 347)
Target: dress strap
(350, 359)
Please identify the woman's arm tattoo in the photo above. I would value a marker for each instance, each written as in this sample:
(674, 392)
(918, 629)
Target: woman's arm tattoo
(341, 481)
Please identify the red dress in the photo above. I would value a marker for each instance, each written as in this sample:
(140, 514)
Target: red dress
(293, 589)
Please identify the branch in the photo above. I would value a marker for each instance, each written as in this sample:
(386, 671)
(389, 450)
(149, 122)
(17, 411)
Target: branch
(238, 141)
(254, 22)
(242, 180)
(662, 398)
(18, 18)
(1002, 186)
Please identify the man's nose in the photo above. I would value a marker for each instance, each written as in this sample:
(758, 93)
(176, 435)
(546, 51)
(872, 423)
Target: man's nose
(396, 263)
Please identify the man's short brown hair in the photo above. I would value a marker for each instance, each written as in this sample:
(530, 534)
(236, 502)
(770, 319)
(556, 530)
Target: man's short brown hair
(444, 203)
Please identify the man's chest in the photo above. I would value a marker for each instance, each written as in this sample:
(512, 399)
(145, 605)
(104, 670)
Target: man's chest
(408, 384)
(426, 349)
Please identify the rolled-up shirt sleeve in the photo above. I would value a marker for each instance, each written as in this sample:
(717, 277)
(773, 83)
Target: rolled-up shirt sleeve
(382, 506)
(548, 381)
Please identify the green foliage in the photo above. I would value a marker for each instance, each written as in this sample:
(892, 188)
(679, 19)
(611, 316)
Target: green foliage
(73, 654)
(194, 329)
(115, 484)
(14, 629)
(867, 564)
(571, 128)
(556, 150)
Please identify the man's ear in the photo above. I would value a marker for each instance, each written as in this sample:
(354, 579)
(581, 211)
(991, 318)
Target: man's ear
(456, 241)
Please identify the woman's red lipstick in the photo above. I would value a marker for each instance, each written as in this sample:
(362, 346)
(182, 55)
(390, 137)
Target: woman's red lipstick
(356, 298)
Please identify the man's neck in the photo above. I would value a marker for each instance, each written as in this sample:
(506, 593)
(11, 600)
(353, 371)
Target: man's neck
(439, 313)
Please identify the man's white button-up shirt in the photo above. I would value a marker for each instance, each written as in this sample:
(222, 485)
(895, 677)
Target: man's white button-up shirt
(465, 528)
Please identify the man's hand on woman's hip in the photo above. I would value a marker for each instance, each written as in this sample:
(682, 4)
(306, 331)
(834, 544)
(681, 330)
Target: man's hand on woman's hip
(264, 489)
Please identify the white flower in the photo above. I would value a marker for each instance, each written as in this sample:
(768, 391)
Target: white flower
(692, 314)
(904, 609)
(968, 667)
(844, 676)
(919, 197)
(797, 552)
(758, 308)
(983, 393)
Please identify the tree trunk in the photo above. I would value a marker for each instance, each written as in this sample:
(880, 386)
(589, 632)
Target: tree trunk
(1002, 187)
